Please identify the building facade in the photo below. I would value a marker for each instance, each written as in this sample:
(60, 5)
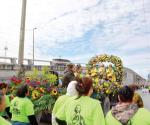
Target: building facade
(131, 77)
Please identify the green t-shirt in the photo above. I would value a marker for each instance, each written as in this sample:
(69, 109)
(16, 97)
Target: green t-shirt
(142, 117)
(4, 122)
(21, 108)
(82, 111)
(59, 103)
(7, 105)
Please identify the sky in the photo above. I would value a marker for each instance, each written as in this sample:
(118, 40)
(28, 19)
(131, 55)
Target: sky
(80, 29)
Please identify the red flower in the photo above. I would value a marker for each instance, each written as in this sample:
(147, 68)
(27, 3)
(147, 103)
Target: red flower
(38, 82)
(27, 81)
(45, 81)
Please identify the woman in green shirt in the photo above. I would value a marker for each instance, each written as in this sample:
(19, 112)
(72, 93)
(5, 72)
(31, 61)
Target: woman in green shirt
(126, 112)
(2, 108)
(81, 109)
(22, 108)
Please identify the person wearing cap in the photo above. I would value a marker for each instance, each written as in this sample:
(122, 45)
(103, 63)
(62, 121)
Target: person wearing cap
(71, 91)
(68, 75)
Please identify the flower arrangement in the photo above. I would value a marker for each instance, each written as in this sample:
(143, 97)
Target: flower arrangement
(107, 80)
(42, 89)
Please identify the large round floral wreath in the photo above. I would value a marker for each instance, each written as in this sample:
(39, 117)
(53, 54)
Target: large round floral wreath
(107, 58)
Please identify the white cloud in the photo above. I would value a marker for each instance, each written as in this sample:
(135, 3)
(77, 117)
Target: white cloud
(122, 27)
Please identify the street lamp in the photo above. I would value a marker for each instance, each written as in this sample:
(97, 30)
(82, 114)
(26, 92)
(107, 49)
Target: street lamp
(33, 44)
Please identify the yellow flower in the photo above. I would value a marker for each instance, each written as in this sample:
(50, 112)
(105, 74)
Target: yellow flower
(54, 92)
(108, 91)
(96, 80)
(35, 94)
(42, 90)
(28, 78)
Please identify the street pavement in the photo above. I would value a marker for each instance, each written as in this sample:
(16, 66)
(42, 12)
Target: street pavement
(146, 99)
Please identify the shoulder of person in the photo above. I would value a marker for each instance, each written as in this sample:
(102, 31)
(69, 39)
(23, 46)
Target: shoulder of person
(108, 114)
(143, 111)
(62, 97)
(94, 102)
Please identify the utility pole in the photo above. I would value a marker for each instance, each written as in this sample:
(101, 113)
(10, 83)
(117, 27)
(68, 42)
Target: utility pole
(33, 44)
(22, 34)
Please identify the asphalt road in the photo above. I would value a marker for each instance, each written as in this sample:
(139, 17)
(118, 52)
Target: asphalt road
(146, 99)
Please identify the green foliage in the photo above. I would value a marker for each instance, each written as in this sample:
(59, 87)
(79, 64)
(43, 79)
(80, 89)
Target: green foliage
(45, 103)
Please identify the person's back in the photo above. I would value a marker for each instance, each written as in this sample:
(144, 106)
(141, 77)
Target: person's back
(126, 112)
(59, 102)
(71, 91)
(82, 111)
(141, 117)
(21, 108)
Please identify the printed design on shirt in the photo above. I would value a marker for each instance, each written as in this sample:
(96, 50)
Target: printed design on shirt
(15, 108)
(77, 118)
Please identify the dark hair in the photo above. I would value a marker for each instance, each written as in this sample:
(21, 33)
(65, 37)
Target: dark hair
(126, 94)
(78, 66)
(83, 86)
(133, 87)
(3, 85)
(70, 66)
(22, 91)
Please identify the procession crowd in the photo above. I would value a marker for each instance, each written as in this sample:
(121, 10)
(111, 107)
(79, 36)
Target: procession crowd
(76, 107)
